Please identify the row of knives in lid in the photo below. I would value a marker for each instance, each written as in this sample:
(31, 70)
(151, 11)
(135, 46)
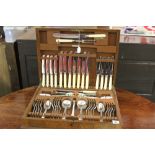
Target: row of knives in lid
(66, 71)
(73, 71)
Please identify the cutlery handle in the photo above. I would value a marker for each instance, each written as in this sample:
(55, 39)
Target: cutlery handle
(110, 82)
(43, 116)
(106, 82)
(97, 81)
(74, 80)
(51, 80)
(65, 80)
(78, 81)
(80, 117)
(101, 117)
(55, 80)
(47, 80)
(101, 84)
(82, 82)
(87, 81)
(64, 114)
(69, 81)
(60, 80)
(73, 109)
(43, 80)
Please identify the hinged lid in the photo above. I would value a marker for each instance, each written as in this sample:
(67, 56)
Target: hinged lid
(97, 42)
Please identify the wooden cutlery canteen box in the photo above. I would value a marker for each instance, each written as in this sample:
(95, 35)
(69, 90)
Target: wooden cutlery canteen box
(77, 72)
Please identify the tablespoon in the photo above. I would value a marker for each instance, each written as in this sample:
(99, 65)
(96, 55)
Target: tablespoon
(47, 106)
(101, 109)
(66, 104)
(82, 104)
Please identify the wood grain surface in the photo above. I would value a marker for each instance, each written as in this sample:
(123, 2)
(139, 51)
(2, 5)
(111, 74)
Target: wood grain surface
(136, 111)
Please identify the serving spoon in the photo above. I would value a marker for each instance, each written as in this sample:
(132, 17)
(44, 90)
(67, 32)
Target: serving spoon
(82, 104)
(66, 104)
(47, 106)
(101, 109)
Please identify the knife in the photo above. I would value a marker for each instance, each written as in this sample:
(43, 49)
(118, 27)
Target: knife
(102, 74)
(79, 72)
(106, 75)
(87, 74)
(110, 78)
(55, 70)
(43, 70)
(60, 69)
(98, 74)
(47, 71)
(51, 70)
(65, 69)
(74, 72)
(69, 70)
(83, 74)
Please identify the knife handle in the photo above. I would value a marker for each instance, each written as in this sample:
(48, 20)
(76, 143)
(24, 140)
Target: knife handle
(87, 81)
(69, 80)
(74, 80)
(82, 81)
(97, 81)
(55, 80)
(47, 80)
(73, 109)
(60, 80)
(110, 82)
(106, 82)
(43, 80)
(51, 80)
(65, 80)
(78, 81)
(101, 83)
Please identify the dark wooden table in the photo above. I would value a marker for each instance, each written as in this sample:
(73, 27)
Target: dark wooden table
(136, 111)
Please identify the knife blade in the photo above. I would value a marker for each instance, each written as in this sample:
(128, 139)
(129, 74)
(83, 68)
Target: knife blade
(43, 71)
(55, 70)
(79, 72)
